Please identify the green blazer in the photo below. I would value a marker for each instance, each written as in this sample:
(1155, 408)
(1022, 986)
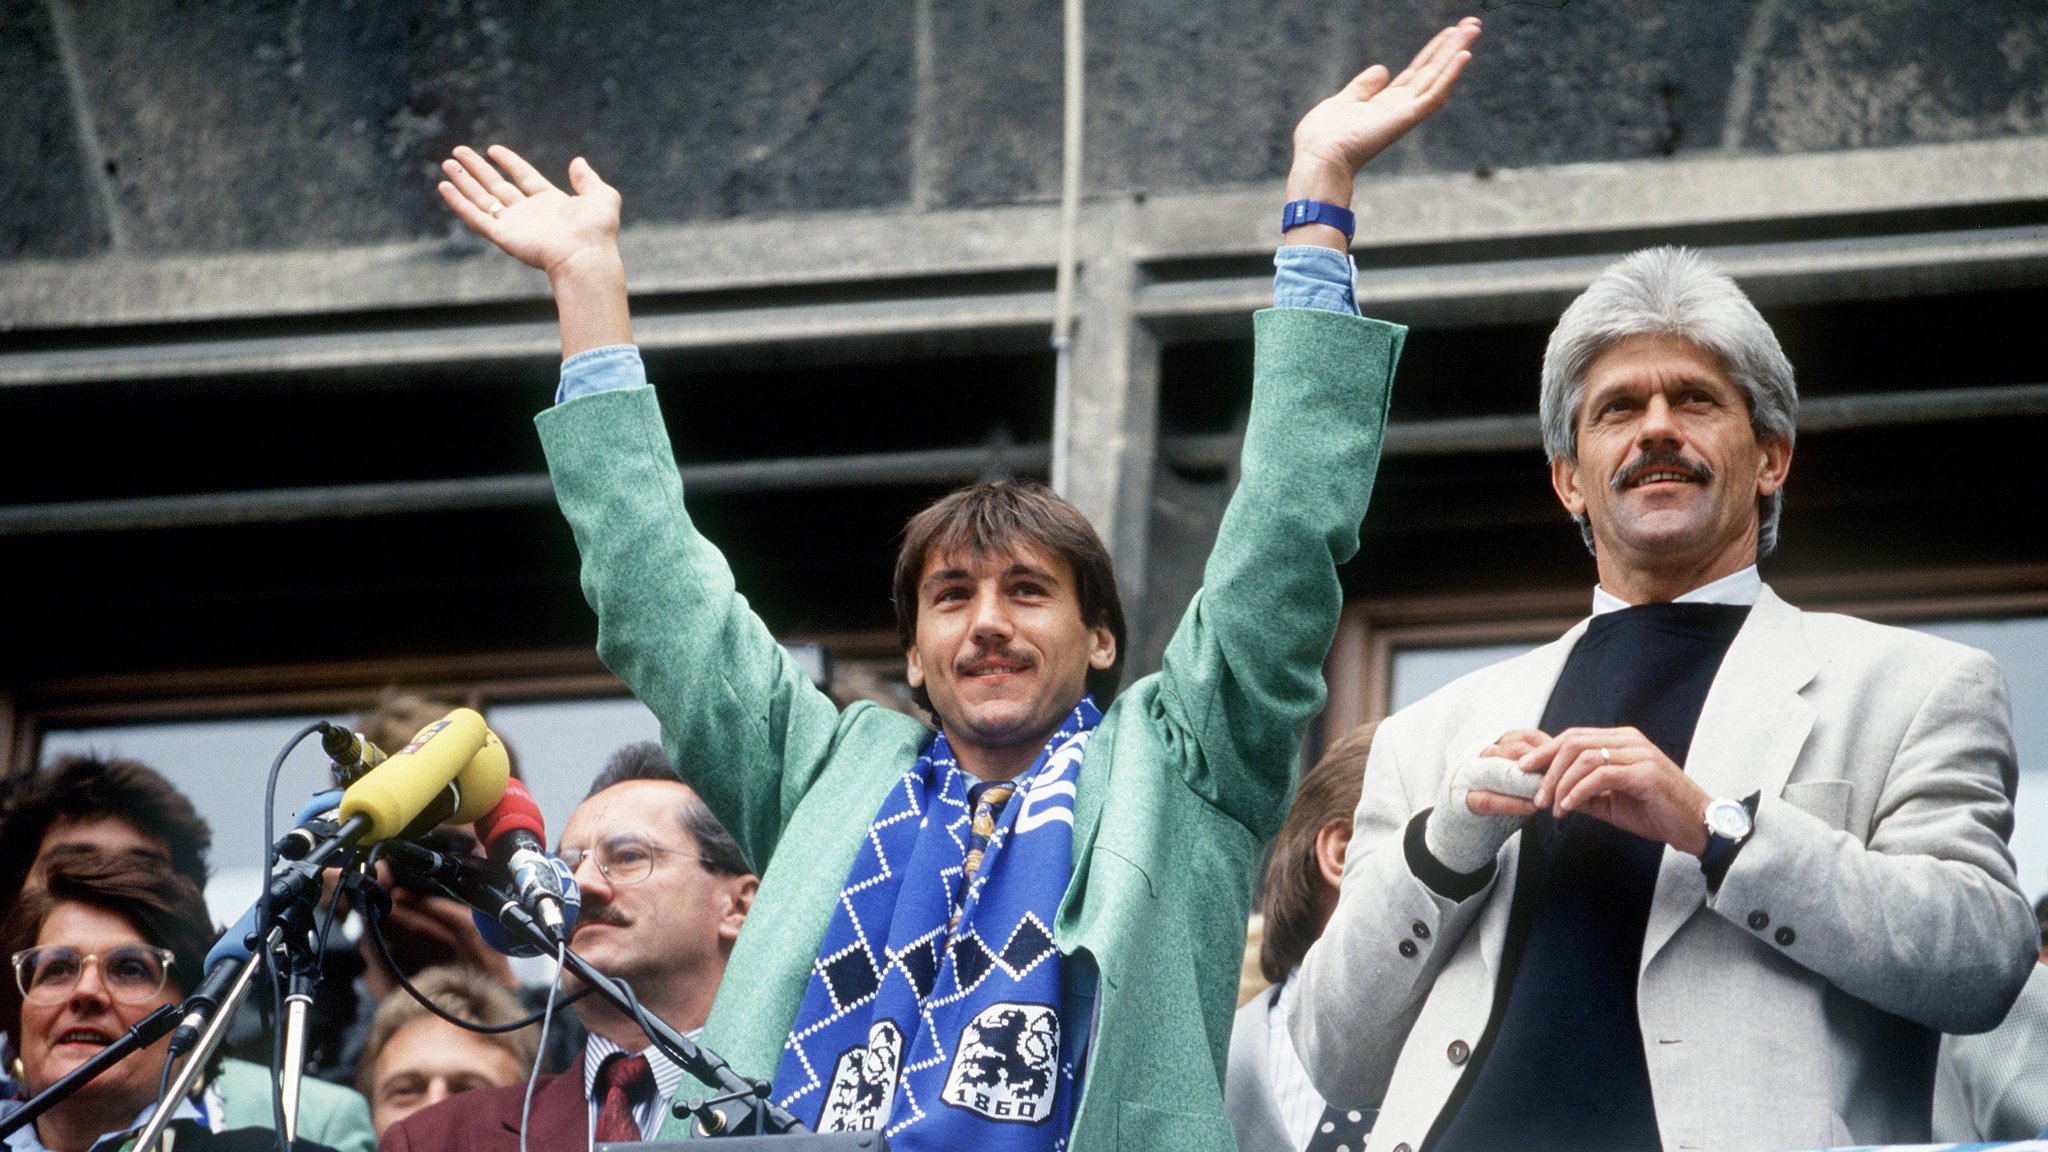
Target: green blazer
(1187, 778)
(328, 1113)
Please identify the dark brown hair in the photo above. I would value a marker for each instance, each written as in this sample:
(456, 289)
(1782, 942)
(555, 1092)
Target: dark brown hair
(997, 519)
(88, 788)
(1294, 905)
(164, 908)
(646, 761)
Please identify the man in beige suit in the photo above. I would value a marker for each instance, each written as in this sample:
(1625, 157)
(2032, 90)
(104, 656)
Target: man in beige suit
(1707, 872)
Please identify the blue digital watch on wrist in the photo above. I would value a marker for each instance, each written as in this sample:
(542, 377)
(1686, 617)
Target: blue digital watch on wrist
(1298, 212)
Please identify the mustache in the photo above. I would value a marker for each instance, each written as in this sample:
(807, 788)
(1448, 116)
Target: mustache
(1659, 460)
(1021, 659)
(595, 912)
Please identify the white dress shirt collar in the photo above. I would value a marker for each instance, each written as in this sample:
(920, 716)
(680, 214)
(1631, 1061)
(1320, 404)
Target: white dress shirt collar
(1744, 588)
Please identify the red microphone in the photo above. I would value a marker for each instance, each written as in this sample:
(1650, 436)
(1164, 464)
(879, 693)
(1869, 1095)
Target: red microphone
(514, 836)
(516, 812)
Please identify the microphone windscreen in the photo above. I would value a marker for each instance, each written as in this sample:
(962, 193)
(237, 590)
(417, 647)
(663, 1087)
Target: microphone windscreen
(516, 811)
(233, 943)
(320, 805)
(480, 786)
(497, 937)
(395, 792)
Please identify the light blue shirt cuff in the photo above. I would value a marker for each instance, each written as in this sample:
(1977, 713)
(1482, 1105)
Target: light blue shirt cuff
(1311, 276)
(601, 370)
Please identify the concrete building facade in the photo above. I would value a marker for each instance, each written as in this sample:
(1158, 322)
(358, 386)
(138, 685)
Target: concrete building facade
(265, 406)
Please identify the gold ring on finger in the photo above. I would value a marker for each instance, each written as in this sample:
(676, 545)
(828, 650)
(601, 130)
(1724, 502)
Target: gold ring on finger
(1606, 757)
(494, 209)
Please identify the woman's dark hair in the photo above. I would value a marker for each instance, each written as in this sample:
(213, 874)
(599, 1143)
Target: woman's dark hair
(1295, 894)
(88, 788)
(164, 908)
(997, 519)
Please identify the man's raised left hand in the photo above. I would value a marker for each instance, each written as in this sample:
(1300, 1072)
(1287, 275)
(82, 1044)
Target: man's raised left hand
(1375, 109)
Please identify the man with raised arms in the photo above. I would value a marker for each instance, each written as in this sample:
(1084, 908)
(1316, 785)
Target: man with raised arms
(1023, 930)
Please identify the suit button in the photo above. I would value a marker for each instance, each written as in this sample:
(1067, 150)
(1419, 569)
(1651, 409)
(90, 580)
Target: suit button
(1785, 937)
(1408, 948)
(1758, 920)
(1421, 930)
(1458, 1052)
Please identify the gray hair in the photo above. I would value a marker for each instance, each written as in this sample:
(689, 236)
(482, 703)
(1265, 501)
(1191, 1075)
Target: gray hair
(645, 760)
(1669, 292)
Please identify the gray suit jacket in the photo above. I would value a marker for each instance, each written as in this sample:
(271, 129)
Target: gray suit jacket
(1995, 1086)
(1247, 1094)
(1873, 907)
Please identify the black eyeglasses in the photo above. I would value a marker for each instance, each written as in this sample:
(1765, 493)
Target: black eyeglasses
(132, 973)
(628, 859)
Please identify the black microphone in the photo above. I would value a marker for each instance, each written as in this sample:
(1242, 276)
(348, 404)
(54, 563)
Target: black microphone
(224, 966)
(351, 752)
(513, 836)
(482, 885)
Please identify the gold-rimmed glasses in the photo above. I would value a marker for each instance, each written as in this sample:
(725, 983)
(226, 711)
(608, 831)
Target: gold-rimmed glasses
(627, 859)
(131, 973)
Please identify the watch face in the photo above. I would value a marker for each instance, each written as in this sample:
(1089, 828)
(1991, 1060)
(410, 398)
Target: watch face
(1728, 818)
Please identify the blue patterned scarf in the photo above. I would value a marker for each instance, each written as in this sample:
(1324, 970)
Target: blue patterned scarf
(948, 1040)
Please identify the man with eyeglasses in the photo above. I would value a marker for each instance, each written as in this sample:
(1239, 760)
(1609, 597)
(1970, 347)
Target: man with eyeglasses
(665, 890)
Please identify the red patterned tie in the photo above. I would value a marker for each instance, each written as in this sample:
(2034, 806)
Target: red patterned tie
(622, 1081)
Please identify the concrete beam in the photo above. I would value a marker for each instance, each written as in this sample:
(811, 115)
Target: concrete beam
(726, 329)
(797, 254)
(1497, 291)
(1479, 292)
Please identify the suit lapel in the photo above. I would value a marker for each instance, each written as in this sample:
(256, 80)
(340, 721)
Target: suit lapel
(1748, 739)
(561, 1114)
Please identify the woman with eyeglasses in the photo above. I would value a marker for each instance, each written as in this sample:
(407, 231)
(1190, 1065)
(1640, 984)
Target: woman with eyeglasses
(103, 943)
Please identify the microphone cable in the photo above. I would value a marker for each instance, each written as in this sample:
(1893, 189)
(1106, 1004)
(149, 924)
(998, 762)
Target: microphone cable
(163, 1086)
(547, 1018)
(373, 920)
(263, 922)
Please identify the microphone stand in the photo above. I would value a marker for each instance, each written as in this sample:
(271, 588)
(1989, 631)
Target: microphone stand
(298, 1004)
(147, 1031)
(756, 1112)
(293, 939)
(216, 1029)
(293, 888)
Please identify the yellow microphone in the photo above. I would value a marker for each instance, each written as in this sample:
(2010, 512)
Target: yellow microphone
(453, 771)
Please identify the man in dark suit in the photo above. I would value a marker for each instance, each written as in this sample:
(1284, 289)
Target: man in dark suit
(665, 890)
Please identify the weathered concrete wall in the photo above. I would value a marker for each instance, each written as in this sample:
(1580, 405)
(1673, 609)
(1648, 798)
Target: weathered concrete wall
(153, 126)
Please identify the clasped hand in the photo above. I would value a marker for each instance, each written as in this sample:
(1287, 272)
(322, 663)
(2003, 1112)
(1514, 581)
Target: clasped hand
(1612, 774)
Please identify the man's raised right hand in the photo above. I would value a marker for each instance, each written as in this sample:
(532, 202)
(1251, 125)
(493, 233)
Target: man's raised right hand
(508, 202)
(572, 238)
